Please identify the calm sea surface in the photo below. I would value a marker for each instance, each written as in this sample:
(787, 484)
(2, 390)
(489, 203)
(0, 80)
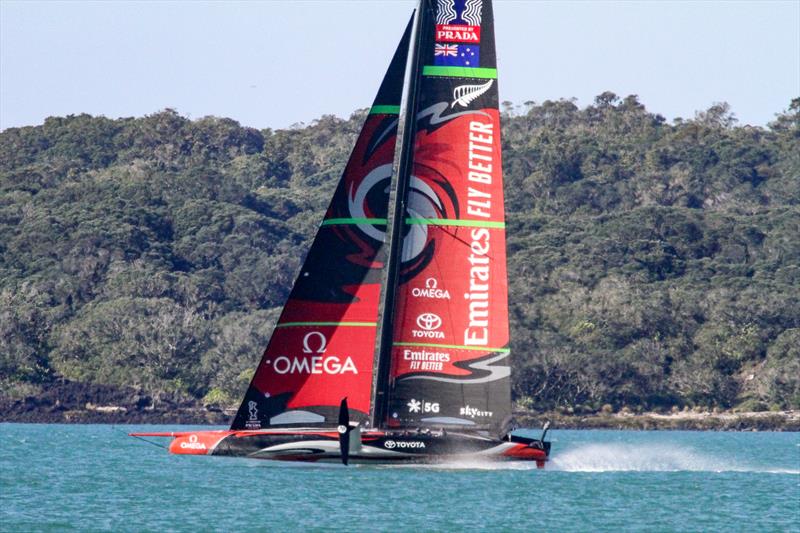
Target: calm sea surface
(94, 478)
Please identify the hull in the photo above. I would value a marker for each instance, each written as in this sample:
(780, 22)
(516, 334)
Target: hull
(373, 447)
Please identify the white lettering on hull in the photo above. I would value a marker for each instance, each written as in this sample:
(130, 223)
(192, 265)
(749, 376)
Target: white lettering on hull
(192, 444)
(392, 444)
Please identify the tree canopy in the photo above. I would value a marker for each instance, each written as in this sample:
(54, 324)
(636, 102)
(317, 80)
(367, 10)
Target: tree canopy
(650, 264)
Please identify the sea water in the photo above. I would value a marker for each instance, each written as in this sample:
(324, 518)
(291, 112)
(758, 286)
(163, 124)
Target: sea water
(95, 478)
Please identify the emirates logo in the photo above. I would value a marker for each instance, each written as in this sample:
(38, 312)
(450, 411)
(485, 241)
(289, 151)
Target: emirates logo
(429, 321)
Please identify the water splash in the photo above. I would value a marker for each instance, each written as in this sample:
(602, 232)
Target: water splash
(593, 457)
(648, 458)
(472, 464)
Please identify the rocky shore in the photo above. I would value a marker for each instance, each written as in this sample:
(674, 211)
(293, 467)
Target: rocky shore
(71, 402)
(64, 401)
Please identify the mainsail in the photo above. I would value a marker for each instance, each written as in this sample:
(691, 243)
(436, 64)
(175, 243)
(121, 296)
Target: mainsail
(322, 348)
(449, 348)
(402, 308)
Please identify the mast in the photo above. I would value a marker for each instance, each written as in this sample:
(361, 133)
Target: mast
(397, 206)
(444, 338)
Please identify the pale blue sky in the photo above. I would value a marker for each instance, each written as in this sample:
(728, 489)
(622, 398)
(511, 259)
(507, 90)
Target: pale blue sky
(272, 64)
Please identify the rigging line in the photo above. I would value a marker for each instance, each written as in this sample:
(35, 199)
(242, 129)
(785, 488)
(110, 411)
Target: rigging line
(450, 308)
(462, 241)
(452, 233)
(397, 208)
(115, 428)
(149, 442)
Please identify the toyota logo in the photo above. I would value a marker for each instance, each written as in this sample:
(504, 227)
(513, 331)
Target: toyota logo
(389, 444)
(429, 321)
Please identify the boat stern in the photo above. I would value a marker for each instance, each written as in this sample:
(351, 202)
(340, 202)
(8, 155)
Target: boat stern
(528, 449)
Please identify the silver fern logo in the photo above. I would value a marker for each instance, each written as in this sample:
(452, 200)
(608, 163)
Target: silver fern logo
(464, 95)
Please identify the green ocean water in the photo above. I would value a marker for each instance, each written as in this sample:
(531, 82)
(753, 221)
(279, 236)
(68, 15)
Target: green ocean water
(94, 478)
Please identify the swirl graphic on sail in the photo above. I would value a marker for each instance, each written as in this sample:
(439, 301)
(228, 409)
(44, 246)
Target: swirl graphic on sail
(424, 203)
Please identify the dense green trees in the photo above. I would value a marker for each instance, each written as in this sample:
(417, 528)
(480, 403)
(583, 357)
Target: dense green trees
(651, 264)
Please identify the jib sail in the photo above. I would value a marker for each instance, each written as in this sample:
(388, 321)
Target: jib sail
(449, 350)
(322, 348)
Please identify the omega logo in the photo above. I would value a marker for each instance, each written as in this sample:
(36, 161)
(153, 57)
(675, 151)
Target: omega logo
(431, 290)
(323, 342)
(315, 343)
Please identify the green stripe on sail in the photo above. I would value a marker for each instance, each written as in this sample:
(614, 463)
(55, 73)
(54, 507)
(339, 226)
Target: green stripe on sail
(454, 347)
(346, 221)
(353, 324)
(459, 72)
(456, 222)
(385, 110)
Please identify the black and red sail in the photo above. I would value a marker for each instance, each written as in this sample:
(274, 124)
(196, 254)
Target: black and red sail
(322, 348)
(433, 302)
(450, 344)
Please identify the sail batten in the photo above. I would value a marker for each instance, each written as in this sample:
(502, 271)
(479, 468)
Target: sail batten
(457, 222)
(460, 72)
(385, 110)
(353, 221)
(454, 347)
(337, 324)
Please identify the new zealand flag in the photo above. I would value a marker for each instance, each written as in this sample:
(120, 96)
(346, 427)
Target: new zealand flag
(457, 55)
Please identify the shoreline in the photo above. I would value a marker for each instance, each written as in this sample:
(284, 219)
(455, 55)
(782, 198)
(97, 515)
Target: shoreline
(68, 402)
(693, 421)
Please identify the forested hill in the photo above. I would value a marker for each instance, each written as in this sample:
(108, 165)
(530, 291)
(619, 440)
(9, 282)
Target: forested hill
(651, 264)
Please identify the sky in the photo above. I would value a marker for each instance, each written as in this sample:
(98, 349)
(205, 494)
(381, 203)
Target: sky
(274, 64)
